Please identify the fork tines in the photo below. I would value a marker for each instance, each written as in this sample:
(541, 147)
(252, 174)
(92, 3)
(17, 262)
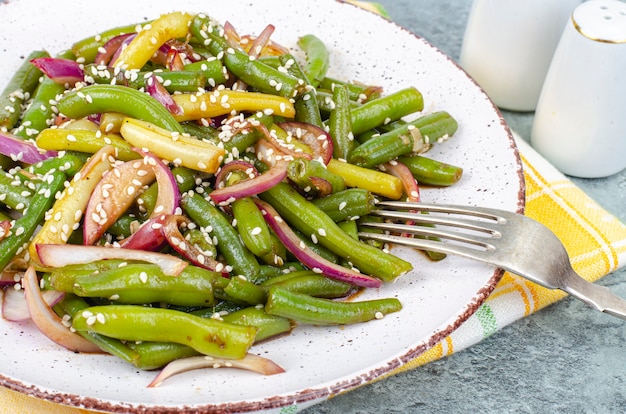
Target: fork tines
(470, 225)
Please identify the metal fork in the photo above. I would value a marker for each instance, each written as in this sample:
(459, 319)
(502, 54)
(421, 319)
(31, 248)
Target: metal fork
(504, 239)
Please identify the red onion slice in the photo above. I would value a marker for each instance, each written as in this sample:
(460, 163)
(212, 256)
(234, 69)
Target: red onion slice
(59, 255)
(20, 150)
(188, 250)
(62, 71)
(156, 89)
(15, 308)
(149, 236)
(250, 362)
(409, 184)
(314, 137)
(106, 52)
(49, 322)
(309, 258)
(259, 184)
(113, 195)
(168, 197)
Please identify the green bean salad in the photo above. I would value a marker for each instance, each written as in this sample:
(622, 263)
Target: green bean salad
(174, 192)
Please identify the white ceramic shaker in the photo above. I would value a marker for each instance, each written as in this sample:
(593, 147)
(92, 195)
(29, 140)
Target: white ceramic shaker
(580, 122)
(508, 45)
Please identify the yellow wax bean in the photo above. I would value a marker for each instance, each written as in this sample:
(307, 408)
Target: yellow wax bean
(82, 140)
(222, 102)
(377, 182)
(186, 151)
(68, 210)
(147, 42)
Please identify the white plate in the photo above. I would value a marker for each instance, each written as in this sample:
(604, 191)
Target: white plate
(319, 361)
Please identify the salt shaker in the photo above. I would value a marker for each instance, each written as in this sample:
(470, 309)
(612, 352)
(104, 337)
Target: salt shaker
(580, 121)
(508, 45)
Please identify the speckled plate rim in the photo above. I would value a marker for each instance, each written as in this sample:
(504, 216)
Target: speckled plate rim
(310, 395)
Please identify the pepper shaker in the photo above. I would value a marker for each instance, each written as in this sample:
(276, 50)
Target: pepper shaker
(580, 122)
(508, 45)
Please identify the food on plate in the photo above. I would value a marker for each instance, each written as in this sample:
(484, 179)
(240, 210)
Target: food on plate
(188, 191)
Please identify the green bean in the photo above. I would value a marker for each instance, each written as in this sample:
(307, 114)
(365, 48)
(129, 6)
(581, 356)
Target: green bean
(63, 278)
(317, 58)
(21, 85)
(339, 123)
(312, 284)
(253, 230)
(268, 326)
(139, 323)
(253, 72)
(347, 204)
(307, 107)
(407, 137)
(12, 193)
(325, 252)
(69, 163)
(40, 113)
(319, 311)
(357, 92)
(326, 104)
(172, 81)
(310, 174)
(432, 172)
(229, 244)
(33, 215)
(240, 290)
(154, 355)
(350, 228)
(213, 70)
(386, 109)
(95, 99)
(313, 222)
(71, 305)
(145, 283)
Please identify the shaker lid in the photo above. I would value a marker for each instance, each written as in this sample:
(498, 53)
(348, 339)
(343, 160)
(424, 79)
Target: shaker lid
(601, 20)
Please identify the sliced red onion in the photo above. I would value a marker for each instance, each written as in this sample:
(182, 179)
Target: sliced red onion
(113, 195)
(62, 71)
(308, 257)
(254, 186)
(106, 52)
(400, 170)
(48, 322)
(121, 47)
(156, 89)
(188, 250)
(250, 362)
(314, 137)
(231, 35)
(5, 228)
(15, 308)
(262, 40)
(149, 236)
(174, 60)
(25, 151)
(168, 197)
(237, 165)
(59, 255)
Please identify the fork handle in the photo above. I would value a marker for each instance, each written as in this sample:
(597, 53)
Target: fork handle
(596, 296)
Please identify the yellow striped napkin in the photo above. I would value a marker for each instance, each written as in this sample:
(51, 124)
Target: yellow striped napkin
(595, 240)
